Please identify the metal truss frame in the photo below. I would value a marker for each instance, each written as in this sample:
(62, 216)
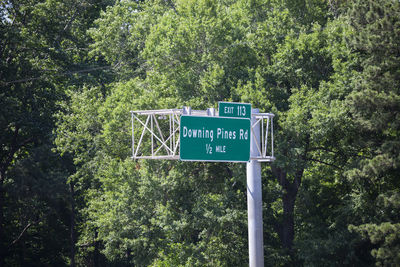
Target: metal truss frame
(162, 128)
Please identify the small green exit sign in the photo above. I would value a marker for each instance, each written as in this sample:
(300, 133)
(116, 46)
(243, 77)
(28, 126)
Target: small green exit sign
(234, 110)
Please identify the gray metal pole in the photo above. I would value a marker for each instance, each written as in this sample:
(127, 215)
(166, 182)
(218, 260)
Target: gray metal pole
(254, 202)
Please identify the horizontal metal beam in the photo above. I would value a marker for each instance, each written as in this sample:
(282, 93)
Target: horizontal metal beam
(170, 157)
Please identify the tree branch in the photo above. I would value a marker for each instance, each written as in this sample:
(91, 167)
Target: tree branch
(325, 163)
(14, 149)
(324, 149)
(22, 233)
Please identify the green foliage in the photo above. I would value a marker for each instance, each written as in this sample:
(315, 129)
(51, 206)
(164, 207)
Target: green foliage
(374, 106)
(385, 237)
(37, 201)
(43, 50)
(72, 70)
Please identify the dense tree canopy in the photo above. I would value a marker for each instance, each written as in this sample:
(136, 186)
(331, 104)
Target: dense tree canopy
(72, 70)
(44, 49)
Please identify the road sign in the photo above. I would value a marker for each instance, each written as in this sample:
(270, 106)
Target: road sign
(236, 110)
(214, 139)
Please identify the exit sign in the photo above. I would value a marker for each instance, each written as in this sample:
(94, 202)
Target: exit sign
(214, 139)
(234, 110)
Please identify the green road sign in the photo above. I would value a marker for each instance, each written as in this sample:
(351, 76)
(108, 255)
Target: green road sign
(214, 139)
(236, 110)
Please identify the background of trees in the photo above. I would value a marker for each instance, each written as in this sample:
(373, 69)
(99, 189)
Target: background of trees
(70, 72)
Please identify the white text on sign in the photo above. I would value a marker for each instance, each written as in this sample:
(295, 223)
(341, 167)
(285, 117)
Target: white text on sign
(204, 133)
(218, 149)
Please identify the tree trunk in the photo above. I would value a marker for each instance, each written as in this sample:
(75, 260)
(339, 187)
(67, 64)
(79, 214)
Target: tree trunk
(96, 252)
(290, 189)
(3, 246)
(5, 162)
(72, 226)
(288, 199)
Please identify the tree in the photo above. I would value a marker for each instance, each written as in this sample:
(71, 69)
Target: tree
(196, 54)
(368, 195)
(374, 106)
(291, 68)
(313, 66)
(151, 205)
(43, 49)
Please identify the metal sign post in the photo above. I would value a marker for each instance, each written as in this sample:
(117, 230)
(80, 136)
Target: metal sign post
(254, 201)
(170, 135)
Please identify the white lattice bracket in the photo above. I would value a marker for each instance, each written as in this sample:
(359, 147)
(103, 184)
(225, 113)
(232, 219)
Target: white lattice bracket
(265, 150)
